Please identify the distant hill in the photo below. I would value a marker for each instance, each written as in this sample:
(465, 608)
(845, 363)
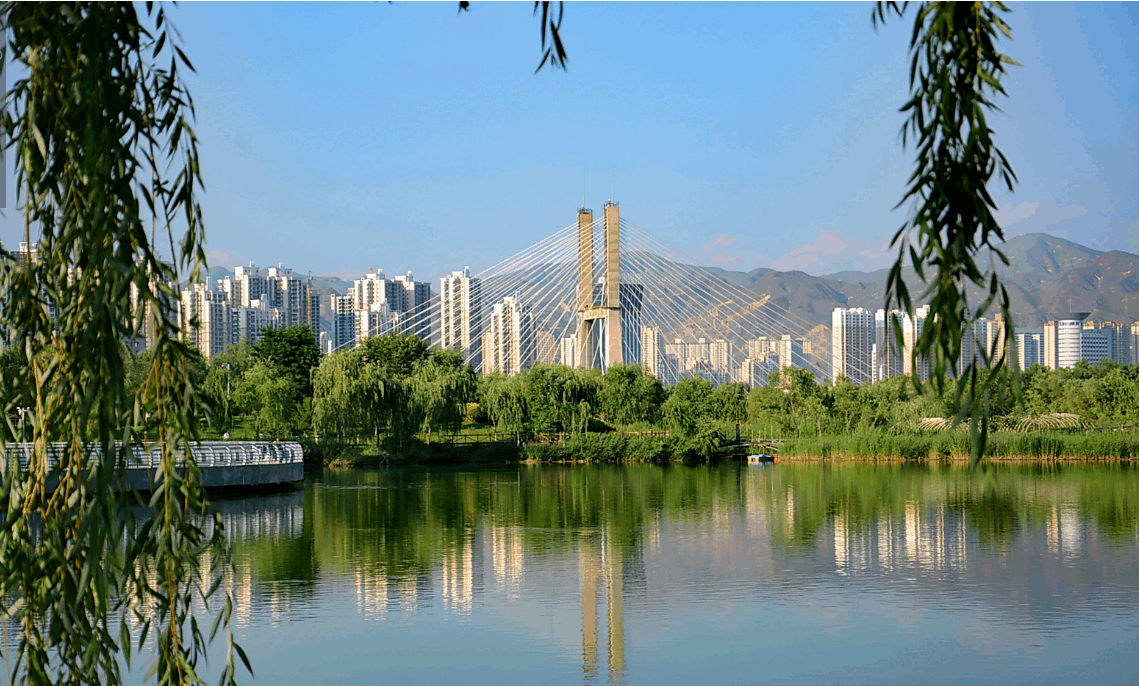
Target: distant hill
(1045, 275)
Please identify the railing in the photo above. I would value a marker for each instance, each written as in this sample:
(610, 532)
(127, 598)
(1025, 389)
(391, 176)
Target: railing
(207, 454)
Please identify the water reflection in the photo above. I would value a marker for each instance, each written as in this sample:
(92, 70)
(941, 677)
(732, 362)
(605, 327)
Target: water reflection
(610, 572)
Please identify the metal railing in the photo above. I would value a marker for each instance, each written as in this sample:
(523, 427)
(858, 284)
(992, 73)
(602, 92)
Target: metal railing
(206, 454)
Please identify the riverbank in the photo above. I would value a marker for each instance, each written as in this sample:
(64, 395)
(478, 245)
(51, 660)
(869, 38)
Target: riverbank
(1085, 446)
(617, 448)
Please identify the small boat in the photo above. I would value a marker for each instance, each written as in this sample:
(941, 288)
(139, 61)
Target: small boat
(760, 459)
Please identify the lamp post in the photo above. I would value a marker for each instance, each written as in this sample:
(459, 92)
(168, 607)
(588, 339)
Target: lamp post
(23, 411)
(228, 416)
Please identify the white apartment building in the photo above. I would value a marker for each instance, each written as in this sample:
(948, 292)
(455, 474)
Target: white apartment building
(791, 352)
(205, 319)
(720, 355)
(510, 345)
(1064, 341)
(567, 351)
(912, 327)
(460, 315)
(888, 360)
(852, 340)
(1029, 349)
(652, 355)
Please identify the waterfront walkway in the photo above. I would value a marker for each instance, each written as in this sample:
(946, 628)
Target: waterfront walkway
(222, 463)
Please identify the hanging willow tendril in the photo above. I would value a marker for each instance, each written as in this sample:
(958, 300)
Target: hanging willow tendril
(99, 125)
(955, 74)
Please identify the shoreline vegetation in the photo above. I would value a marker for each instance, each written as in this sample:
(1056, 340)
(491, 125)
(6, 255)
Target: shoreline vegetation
(614, 448)
(394, 400)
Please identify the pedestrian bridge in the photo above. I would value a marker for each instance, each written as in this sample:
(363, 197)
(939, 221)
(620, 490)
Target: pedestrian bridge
(222, 463)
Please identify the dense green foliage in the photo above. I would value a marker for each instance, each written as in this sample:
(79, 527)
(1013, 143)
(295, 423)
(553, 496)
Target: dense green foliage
(398, 396)
(291, 352)
(98, 123)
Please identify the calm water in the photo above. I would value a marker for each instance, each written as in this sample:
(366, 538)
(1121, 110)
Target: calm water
(716, 575)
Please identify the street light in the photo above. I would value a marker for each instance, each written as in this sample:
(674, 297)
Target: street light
(228, 415)
(23, 411)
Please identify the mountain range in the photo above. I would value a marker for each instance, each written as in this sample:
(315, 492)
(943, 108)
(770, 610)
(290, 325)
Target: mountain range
(1045, 276)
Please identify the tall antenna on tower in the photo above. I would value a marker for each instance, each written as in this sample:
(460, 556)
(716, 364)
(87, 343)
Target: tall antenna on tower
(613, 189)
(583, 190)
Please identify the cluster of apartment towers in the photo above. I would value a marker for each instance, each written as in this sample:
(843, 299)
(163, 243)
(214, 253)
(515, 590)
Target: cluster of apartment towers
(504, 338)
(864, 343)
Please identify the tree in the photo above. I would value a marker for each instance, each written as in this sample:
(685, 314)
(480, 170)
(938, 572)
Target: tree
(628, 395)
(106, 161)
(729, 402)
(441, 386)
(294, 352)
(954, 77)
(689, 402)
(396, 353)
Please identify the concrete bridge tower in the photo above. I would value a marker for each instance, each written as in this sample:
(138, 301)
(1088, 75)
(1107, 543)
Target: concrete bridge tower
(599, 310)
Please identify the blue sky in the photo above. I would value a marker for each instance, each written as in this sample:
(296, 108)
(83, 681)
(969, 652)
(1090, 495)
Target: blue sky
(338, 137)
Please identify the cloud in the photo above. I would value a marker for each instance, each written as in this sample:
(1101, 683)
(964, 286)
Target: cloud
(221, 258)
(832, 252)
(1036, 217)
(739, 257)
(1006, 216)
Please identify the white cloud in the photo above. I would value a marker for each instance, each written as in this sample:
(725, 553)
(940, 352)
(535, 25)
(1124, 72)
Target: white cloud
(1036, 217)
(221, 258)
(832, 252)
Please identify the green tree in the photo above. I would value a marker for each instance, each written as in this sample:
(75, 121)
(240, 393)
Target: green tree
(350, 394)
(396, 353)
(729, 402)
(629, 395)
(441, 386)
(954, 78)
(98, 122)
(294, 352)
(689, 404)
(270, 396)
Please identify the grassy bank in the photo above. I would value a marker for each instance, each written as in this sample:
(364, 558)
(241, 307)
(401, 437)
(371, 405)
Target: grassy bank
(954, 445)
(592, 447)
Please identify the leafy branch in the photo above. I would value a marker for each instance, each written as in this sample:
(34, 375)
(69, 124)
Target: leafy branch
(955, 76)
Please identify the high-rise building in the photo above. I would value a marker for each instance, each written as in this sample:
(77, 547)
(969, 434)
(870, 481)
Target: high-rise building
(414, 303)
(287, 299)
(888, 354)
(547, 348)
(343, 331)
(852, 338)
(1134, 343)
(567, 351)
(720, 355)
(1096, 345)
(652, 356)
(1118, 340)
(791, 352)
(759, 347)
(511, 340)
(1029, 349)
(377, 320)
(1064, 340)
(460, 315)
(205, 319)
(912, 327)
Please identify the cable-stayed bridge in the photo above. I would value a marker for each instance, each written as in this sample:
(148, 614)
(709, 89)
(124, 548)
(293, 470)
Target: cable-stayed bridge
(603, 291)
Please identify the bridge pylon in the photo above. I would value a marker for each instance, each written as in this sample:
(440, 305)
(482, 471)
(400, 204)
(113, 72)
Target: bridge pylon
(599, 305)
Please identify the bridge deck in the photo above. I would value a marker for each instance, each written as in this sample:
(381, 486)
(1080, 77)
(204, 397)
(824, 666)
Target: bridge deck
(222, 463)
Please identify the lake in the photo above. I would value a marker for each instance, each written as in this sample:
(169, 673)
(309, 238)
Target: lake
(725, 574)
